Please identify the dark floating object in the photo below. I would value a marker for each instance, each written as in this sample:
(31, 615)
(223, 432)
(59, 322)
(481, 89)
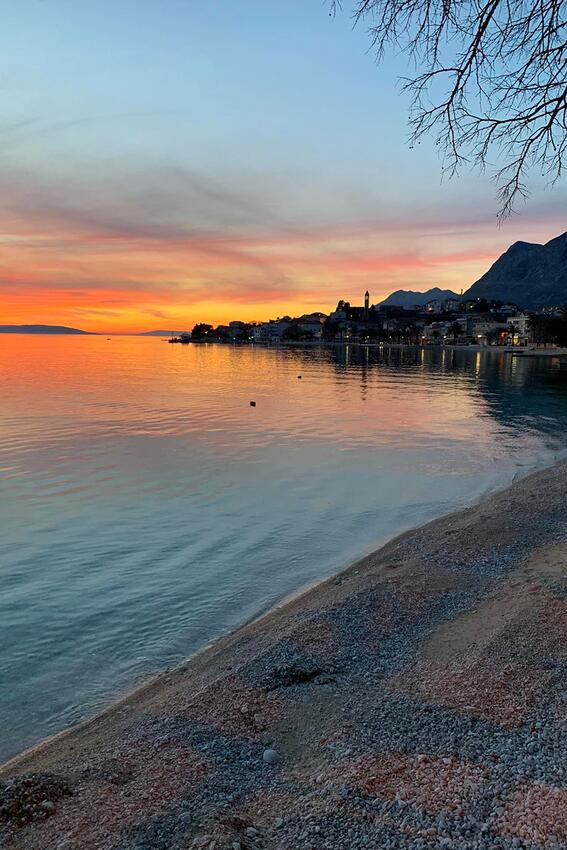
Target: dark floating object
(299, 377)
(252, 404)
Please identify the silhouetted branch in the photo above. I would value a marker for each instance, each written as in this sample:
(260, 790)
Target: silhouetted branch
(494, 85)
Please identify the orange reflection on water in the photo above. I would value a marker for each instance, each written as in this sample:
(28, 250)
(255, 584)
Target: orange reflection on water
(359, 393)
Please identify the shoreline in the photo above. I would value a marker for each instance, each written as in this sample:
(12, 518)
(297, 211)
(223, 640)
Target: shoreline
(265, 613)
(426, 620)
(515, 350)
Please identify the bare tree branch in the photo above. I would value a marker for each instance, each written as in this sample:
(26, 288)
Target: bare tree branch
(493, 89)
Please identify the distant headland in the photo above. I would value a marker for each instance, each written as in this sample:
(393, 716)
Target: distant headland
(43, 329)
(160, 333)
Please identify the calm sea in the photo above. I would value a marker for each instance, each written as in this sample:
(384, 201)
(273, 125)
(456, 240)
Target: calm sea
(146, 507)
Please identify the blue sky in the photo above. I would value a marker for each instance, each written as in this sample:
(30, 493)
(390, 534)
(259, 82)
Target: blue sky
(185, 119)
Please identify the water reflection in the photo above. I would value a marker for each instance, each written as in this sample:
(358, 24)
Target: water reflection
(146, 507)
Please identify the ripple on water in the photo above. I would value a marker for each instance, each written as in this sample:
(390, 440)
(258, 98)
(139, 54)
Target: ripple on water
(146, 507)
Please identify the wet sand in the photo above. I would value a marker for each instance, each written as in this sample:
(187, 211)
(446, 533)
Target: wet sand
(418, 700)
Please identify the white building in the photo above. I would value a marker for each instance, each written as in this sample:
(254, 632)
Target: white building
(434, 306)
(520, 323)
(452, 305)
(519, 326)
(340, 313)
(485, 331)
(436, 332)
(312, 323)
(271, 331)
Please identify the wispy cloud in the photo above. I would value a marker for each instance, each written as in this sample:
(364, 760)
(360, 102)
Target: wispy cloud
(173, 243)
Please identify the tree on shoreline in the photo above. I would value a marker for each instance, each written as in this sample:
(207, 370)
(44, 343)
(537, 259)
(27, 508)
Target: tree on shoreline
(456, 330)
(202, 331)
(550, 328)
(492, 81)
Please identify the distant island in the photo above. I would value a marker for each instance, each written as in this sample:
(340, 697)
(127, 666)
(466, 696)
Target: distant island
(43, 329)
(161, 333)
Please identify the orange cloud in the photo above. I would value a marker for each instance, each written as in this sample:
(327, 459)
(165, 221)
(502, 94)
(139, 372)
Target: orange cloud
(113, 265)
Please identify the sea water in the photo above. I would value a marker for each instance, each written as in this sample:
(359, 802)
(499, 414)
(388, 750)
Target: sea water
(146, 507)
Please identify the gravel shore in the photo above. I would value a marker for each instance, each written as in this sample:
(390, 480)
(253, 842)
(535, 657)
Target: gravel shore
(418, 700)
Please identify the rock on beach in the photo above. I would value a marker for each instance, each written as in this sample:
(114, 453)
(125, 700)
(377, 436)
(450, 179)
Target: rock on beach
(417, 701)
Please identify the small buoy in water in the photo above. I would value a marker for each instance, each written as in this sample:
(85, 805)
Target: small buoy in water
(252, 404)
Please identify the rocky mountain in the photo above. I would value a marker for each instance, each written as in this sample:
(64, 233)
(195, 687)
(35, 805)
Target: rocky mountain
(408, 298)
(530, 275)
(41, 329)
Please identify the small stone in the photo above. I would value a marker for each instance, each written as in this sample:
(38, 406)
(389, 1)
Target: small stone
(271, 756)
(278, 823)
(251, 832)
(236, 845)
(48, 806)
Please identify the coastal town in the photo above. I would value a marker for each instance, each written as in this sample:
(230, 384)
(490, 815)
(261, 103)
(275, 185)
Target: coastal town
(438, 321)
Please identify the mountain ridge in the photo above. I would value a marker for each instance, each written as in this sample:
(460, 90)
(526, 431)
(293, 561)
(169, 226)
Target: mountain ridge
(527, 273)
(411, 298)
(45, 329)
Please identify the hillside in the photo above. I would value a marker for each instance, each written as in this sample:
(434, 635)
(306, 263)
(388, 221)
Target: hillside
(43, 329)
(530, 275)
(409, 298)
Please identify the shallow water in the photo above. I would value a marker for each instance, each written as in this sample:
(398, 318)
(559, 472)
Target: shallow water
(146, 507)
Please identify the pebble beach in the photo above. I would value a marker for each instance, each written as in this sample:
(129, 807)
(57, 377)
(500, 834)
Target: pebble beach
(417, 700)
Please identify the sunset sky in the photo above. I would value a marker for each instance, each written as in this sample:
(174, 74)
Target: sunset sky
(172, 161)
